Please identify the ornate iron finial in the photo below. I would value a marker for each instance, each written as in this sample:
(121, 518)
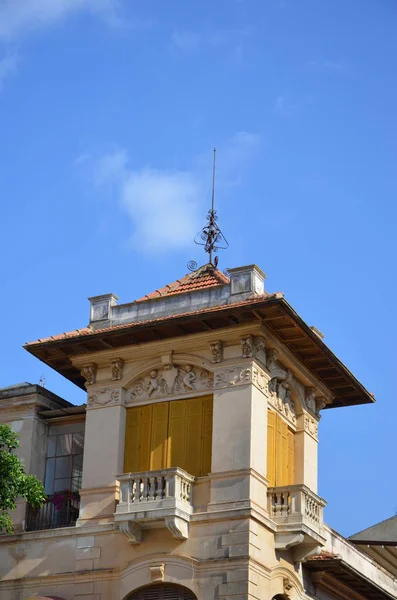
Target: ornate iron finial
(211, 237)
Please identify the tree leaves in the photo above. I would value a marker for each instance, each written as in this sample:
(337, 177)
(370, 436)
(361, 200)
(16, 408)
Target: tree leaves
(14, 482)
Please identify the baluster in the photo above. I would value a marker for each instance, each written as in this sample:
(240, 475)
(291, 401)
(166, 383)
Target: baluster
(152, 488)
(167, 485)
(145, 491)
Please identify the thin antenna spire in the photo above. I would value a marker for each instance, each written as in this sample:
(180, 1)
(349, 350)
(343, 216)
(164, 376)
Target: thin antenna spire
(213, 180)
(211, 236)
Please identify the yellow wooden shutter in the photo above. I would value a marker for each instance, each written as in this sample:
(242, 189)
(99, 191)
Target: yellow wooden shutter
(158, 454)
(281, 452)
(291, 457)
(271, 447)
(132, 440)
(146, 436)
(206, 442)
(176, 434)
(194, 417)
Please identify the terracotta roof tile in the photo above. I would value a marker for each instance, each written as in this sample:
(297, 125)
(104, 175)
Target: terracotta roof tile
(205, 277)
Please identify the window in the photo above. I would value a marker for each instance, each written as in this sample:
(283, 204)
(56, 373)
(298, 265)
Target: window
(280, 451)
(170, 434)
(64, 464)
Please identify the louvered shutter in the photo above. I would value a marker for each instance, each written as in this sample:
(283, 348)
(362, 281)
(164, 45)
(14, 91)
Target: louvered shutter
(159, 436)
(163, 592)
(291, 457)
(132, 440)
(194, 416)
(271, 448)
(206, 443)
(177, 434)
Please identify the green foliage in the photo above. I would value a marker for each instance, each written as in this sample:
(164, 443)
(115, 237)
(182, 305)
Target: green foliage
(14, 482)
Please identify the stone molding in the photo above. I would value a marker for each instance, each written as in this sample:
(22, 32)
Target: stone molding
(233, 376)
(104, 397)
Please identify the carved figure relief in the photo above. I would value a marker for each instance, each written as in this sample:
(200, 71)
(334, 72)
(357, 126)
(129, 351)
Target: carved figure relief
(217, 351)
(117, 368)
(89, 373)
(280, 387)
(171, 379)
(310, 400)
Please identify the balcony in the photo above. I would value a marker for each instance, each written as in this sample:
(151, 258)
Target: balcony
(60, 510)
(298, 515)
(155, 499)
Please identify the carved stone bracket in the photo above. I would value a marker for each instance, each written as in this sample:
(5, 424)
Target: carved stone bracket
(254, 347)
(242, 375)
(217, 351)
(104, 397)
(178, 527)
(117, 366)
(320, 404)
(89, 373)
(132, 531)
(171, 379)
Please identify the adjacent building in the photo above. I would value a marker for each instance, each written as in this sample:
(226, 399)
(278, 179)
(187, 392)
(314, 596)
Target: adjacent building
(191, 472)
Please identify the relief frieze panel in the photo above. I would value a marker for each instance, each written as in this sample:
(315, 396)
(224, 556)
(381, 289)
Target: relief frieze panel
(171, 379)
(241, 375)
(104, 397)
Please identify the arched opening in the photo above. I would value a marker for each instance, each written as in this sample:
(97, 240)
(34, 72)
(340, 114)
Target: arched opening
(163, 591)
(280, 597)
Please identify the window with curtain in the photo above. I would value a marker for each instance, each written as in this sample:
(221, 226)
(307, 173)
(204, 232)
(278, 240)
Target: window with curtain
(170, 434)
(280, 451)
(64, 462)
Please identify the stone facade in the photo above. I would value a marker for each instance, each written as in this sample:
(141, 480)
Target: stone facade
(226, 535)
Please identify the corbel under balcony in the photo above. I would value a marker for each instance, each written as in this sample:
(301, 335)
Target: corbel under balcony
(155, 499)
(298, 515)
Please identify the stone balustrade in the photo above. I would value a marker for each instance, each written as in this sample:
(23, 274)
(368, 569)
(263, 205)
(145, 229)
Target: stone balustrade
(298, 514)
(164, 497)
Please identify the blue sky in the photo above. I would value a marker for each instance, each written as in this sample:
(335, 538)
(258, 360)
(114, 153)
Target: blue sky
(109, 111)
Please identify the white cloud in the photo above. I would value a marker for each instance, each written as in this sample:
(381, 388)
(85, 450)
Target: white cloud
(21, 16)
(284, 107)
(8, 65)
(165, 207)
